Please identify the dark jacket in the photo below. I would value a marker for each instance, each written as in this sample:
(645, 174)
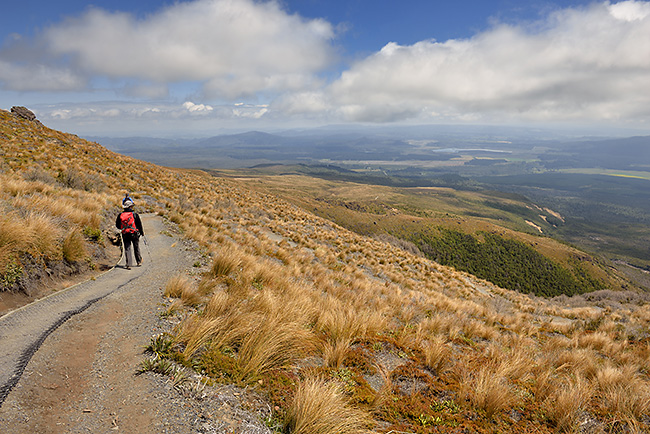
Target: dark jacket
(136, 217)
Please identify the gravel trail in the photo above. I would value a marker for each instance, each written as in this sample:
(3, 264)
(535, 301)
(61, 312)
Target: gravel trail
(68, 362)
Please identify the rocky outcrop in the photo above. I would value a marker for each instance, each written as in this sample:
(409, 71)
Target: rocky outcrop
(25, 113)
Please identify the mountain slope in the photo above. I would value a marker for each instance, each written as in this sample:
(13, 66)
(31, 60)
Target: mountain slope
(497, 236)
(314, 316)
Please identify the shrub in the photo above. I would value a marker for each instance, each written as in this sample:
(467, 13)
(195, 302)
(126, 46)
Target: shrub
(93, 234)
(37, 173)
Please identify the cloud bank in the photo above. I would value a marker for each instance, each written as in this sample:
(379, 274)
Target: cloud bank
(589, 64)
(232, 47)
(578, 64)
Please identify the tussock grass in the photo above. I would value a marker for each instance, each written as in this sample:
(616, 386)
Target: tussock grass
(319, 407)
(437, 354)
(45, 234)
(15, 236)
(182, 288)
(74, 247)
(314, 298)
(195, 334)
(217, 305)
(271, 345)
(565, 405)
(622, 393)
(581, 361)
(488, 390)
(227, 260)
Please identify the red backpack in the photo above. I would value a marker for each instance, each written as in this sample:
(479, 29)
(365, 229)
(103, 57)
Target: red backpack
(127, 223)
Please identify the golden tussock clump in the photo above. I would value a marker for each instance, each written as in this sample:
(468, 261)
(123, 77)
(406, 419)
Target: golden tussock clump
(318, 407)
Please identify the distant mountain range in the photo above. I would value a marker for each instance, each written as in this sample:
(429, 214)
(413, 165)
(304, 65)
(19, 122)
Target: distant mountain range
(405, 145)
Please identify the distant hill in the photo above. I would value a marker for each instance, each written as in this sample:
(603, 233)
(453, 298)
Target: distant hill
(631, 153)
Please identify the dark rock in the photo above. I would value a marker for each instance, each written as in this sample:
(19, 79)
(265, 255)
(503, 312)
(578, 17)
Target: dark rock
(23, 112)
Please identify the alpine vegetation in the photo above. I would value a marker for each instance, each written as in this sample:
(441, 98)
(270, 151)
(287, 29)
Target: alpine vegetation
(341, 333)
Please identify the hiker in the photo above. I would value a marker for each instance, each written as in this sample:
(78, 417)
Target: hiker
(129, 222)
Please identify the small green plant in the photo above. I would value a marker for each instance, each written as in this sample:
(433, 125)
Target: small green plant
(179, 377)
(160, 345)
(93, 234)
(346, 376)
(446, 405)
(10, 276)
(157, 365)
(427, 420)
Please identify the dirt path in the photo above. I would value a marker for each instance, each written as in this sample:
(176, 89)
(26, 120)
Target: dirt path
(78, 352)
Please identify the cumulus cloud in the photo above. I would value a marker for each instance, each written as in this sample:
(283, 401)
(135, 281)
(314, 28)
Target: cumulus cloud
(587, 63)
(578, 64)
(234, 46)
(197, 108)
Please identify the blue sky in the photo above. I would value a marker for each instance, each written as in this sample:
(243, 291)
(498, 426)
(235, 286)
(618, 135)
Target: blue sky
(200, 67)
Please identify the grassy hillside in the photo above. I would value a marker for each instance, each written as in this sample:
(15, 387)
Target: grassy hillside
(344, 333)
(496, 236)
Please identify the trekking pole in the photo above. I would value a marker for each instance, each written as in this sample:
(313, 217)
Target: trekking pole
(147, 246)
(123, 256)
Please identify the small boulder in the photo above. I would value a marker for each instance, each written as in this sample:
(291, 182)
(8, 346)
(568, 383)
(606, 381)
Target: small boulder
(23, 112)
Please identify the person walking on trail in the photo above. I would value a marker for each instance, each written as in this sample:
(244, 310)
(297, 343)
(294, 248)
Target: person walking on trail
(128, 221)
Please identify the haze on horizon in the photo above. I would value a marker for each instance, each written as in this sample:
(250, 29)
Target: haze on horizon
(201, 67)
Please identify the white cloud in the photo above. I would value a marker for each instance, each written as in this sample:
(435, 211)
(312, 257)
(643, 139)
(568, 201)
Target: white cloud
(250, 111)
(197, 108)
(39, 77)
(578, 64)
(132, 118)
(237, 47)
(630, 10)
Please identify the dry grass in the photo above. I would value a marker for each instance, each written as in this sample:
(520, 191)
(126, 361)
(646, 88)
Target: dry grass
(269, 345)
(621, 392)
(196, 333)
(437, 354)
(346, 302)
(14, 234)
(45, 234)
(217, 305)
(74, 247)
(226, 261)
(319, 407)
(487, 390)
(565, 405)
(182, 288)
